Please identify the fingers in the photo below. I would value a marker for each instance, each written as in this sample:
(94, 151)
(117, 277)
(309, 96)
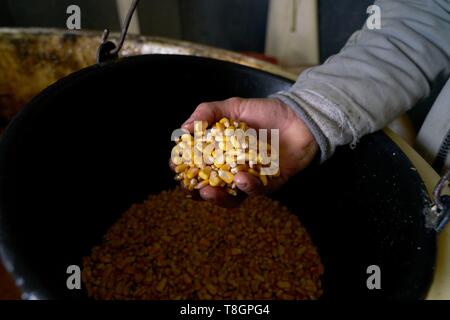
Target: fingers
(248, 183)
(212, 111)
(257, 113)
(217, 196)
(220, 197)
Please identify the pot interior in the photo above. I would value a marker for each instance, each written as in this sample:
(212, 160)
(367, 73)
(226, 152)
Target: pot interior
(94, 143)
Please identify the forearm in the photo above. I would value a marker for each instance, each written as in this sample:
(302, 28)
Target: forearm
(378, 75)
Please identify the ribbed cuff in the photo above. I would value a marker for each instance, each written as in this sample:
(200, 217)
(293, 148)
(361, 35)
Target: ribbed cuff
(317, 133)
(327, 122)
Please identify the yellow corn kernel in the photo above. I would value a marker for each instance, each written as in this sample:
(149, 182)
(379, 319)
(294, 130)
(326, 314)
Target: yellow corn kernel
(177, 160)
(235, 142)
(186, 182)
(200, 146)
(200, 126)
(225, 122)
(179, 177)
(177, 150)
(222, 145)
(219, 128)
(192, 172)
(214, 180)
(243, 126)
(204, 173)
(220, 137)
(181, 167)
(226, 176)
(263, 159)
(231, 161)
(209, 160)
(233, 152)
(218, 161)
(187, 138)
(225, 167)
(202, 184)
(188, 156)
(263, 179)
(192, 183)
(229, 132)
(209, 137)
(186, 144)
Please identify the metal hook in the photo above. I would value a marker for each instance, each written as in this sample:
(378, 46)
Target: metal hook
(109, 50)
(438, 191)
(439, 213)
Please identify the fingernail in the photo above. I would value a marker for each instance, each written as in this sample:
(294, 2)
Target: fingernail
(186, 123)
(242, 185)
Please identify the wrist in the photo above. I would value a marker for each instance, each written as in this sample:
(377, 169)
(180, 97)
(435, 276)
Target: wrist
(324, 148)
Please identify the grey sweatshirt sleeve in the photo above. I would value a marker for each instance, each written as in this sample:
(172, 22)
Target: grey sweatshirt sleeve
(378, 75)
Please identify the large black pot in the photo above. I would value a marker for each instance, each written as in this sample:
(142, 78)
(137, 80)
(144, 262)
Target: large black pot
(85, 149)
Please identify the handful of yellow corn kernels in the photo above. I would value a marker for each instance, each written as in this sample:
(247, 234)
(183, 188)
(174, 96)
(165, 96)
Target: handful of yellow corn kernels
(214, 155)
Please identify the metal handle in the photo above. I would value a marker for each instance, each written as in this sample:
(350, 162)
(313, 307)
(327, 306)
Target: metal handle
(108, 50)
(439, 214)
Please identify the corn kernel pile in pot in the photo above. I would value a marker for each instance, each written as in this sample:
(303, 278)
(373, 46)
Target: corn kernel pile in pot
(171, 247)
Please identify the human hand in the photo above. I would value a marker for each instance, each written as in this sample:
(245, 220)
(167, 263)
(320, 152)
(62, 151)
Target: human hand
(296, 143)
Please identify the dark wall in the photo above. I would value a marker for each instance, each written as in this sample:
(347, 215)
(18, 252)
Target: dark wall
(231, 24)
(338, 19)
(241, 24)
(5, 16)
(161, 18)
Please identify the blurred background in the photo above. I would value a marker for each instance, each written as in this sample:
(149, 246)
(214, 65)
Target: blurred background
(238, 25)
